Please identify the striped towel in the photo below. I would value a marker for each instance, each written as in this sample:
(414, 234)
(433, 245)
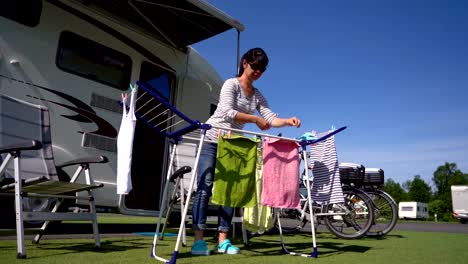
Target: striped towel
(326, 187)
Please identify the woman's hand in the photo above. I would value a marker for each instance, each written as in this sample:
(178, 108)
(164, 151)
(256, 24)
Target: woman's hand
(281, 122)
(262, 124)
(293, 121)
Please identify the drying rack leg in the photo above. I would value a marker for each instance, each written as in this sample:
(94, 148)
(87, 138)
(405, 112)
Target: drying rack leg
(162, 208)
(314, 253)
(187, 202)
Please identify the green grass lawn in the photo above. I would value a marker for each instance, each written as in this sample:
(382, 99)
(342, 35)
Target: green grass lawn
(397, 247)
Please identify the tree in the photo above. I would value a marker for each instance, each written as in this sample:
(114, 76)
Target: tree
(444, 176)
(394, 189)
(406, 185)
(458, 178)
(419, 190)
(442, 209)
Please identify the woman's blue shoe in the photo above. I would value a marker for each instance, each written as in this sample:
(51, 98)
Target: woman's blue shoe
(227, 247)
(199, 248)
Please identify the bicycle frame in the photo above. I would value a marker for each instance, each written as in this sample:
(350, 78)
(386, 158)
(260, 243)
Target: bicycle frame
(332, 213)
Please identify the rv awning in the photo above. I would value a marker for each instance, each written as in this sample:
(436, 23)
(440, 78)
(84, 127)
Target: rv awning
(178, 23)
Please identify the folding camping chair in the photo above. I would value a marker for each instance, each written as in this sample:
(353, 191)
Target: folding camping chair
(26, 147)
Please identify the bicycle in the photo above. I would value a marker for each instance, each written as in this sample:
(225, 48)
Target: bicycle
(370, 181)
(386, 208)
(349, 220)
(386, 212)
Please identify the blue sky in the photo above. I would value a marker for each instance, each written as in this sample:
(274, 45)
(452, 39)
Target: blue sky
(394, 72)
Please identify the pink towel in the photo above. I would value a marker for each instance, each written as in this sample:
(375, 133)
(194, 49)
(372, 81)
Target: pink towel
(280, 173)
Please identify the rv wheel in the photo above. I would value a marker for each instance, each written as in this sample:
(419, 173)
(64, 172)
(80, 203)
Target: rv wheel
(37, 205)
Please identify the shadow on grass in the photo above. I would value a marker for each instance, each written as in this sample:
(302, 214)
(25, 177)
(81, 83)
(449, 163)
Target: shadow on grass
(330, 249)
(271, 246)
(385, 237)
(393, 236)
(73, 247)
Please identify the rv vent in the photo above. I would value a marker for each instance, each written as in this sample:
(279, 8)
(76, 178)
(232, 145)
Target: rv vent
(105, 103)
(99, 142)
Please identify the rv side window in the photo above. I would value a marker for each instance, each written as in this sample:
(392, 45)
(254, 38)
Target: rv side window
(407, 208)
(91, 60)
(26, 12)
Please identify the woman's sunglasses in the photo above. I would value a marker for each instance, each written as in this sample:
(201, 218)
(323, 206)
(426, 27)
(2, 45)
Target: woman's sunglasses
(257, 67)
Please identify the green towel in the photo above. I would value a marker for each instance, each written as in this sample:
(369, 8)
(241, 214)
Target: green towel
(234, 184)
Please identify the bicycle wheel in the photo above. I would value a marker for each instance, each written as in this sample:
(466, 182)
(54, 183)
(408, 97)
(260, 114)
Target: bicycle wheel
(292, 220)
(385, 213)
(351, 219)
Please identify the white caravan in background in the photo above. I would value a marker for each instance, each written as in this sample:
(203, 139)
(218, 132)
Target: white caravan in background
(413, 210)
(77, 56)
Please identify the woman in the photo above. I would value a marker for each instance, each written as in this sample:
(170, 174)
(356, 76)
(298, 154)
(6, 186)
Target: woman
(238, 101)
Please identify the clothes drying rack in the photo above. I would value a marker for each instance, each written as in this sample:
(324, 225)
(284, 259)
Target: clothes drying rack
(165, 119)
(303, 145)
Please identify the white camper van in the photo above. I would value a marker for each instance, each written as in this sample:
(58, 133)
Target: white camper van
(413, 210)
(76, 57)
(460, 202)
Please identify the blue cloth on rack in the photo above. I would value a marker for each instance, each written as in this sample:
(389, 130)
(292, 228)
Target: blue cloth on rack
(308, 136)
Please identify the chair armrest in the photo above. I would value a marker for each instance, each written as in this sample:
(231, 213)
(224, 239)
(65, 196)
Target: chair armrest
(26, 145)
(87, 160)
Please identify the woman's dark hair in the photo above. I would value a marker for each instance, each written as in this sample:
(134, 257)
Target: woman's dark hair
(257, 55)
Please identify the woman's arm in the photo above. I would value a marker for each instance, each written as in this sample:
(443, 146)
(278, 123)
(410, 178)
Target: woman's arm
(247, 118)
(225, 105)
(281, 122)
(264, 125)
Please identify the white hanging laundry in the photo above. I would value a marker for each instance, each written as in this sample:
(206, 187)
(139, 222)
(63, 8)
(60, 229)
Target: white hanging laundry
(125, 145)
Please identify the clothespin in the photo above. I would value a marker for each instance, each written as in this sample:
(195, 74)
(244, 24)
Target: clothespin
(332, 128)
(223, 132)
(133, 86)
(124, 97)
